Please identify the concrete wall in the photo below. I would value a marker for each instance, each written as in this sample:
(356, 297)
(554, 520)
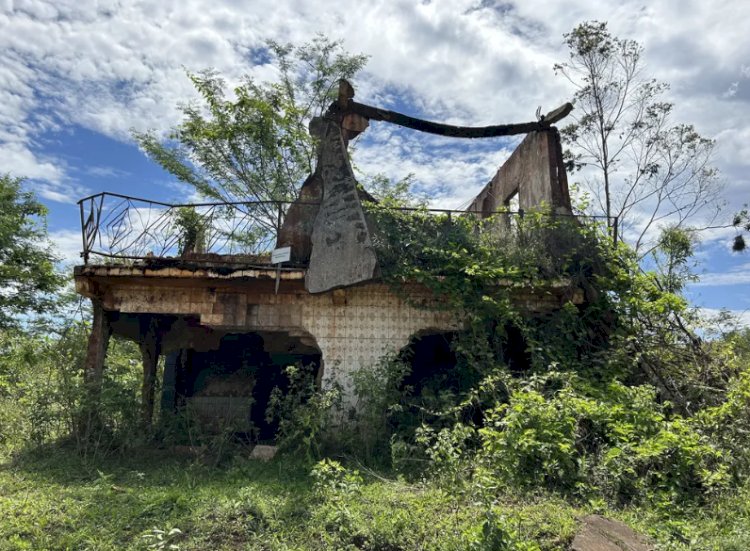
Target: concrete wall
(535, 170)
(353, 327)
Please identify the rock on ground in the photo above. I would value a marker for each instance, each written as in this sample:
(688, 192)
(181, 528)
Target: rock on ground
(602, 534)
(264, 453)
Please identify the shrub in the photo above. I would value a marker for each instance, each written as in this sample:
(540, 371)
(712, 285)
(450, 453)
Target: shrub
(617, 442)
(42, 395)
(304, 412)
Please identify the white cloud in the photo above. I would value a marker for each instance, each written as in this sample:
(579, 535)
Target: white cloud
(67, 246)
(18, 159)
(105, 172)
(111, 66)
(724, 319)
(737, 275)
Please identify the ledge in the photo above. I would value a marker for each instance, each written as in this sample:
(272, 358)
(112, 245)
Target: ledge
(188, 271)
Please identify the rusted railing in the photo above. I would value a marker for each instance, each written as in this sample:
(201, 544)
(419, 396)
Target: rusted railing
(118, 228)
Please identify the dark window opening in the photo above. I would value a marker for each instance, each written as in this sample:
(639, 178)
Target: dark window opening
(514, 350)
(432, 382)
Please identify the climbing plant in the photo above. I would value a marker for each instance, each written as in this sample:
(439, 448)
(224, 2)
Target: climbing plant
(602, 407)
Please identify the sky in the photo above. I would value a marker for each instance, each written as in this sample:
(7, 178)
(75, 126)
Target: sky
(76, 76)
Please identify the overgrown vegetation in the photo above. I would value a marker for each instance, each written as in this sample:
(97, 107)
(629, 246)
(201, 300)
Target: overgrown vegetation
(43, 395)
(614, 405)
(611, 402)
(619, 404)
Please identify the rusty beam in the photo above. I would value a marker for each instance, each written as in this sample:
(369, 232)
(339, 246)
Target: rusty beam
(345, 105)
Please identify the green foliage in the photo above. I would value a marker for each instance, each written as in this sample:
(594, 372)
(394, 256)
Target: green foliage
(604, 407)
(390, 193)
(497, 534)
(54, 500)
(27, 274)
(191, 230)
(378, 394)
(42, 393)
(304, 412)
(618, 443)
(475, 255)
(673, 252)
(726, 422)
(474, 267)
(251, 143)
(335, 487)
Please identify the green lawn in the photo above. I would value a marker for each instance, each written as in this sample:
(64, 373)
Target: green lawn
(52, 500)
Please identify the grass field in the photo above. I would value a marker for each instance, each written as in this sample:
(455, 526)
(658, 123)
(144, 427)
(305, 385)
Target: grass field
(51, 499)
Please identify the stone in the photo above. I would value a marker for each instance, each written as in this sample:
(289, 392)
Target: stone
(262, 452)
(598, 533)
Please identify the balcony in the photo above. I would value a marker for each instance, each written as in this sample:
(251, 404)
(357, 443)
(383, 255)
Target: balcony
(122, 231)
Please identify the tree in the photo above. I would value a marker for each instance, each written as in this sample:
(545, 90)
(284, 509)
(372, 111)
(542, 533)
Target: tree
(28, 279)
(638, 167)
(253, 144)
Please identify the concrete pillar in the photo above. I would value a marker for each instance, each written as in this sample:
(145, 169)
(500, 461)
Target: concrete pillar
(96, 353)
(343, 357)
(150, 345)
(169, 382)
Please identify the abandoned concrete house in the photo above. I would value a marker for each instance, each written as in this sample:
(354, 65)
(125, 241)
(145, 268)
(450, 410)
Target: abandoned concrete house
(227, 319)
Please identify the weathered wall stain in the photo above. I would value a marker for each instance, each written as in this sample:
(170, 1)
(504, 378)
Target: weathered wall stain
(342, 252)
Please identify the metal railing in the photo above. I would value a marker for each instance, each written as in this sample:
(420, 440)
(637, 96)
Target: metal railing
(119, 229)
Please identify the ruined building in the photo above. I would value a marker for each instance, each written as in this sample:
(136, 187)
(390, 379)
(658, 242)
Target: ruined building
(226, 321)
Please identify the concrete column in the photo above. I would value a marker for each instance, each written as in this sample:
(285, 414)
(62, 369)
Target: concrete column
(344, 357)
(169, 382)
(150, 345)
(93, 368)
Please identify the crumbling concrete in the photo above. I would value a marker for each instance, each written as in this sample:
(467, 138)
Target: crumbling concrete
(352, 327)
(329, 297)
(535, 171)
(342, 253)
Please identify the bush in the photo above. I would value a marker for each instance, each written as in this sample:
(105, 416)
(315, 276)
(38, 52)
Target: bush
(618, 443)
(304, 412)
(727, 425)
(42, 394)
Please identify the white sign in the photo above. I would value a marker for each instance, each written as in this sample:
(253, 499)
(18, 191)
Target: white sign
(282, 254)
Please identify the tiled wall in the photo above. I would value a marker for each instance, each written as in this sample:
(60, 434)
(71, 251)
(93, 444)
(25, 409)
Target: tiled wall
(353, 327)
